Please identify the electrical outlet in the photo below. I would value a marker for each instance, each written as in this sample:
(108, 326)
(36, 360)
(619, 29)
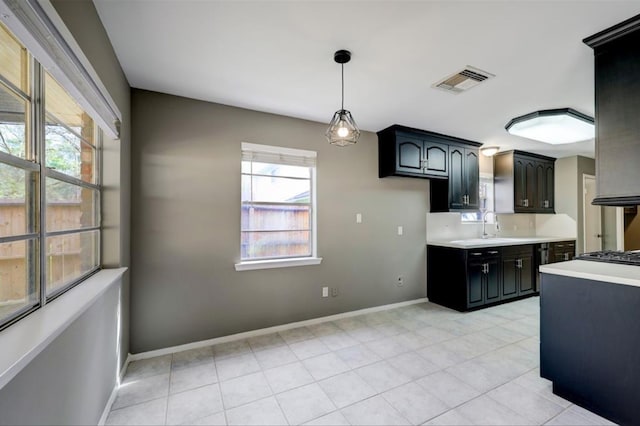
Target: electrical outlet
(400, 281)
(325, 291)
(334, 291)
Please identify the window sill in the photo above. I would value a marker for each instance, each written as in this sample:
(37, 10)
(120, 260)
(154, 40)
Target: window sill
(277, 263)
(24, 340)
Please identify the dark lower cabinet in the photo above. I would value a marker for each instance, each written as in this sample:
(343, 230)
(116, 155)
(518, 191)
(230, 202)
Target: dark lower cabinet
(562, 251)
(483, 277)
(465, 279)
(517, 271)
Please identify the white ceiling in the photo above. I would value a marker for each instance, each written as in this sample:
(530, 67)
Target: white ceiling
(277, 56)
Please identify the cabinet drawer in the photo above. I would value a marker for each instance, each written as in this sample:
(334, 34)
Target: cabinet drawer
(518, 250)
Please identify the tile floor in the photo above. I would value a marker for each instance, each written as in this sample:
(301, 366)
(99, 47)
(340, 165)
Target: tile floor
(420, 364)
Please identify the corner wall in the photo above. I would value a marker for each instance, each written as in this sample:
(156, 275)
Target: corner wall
(186, 226)
(82, 20)
(71, 380)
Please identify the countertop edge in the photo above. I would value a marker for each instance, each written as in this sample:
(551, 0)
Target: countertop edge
(595, 271)
(519, 242)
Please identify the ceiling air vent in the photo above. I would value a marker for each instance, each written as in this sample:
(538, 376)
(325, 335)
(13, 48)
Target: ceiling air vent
(463, 80)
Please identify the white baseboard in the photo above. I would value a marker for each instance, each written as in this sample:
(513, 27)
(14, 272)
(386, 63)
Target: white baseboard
(114, 392)
(268, 330)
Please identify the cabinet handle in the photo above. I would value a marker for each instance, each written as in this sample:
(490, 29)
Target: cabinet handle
(485, 268)
(493, 252)
(519, 263)
(475, 254)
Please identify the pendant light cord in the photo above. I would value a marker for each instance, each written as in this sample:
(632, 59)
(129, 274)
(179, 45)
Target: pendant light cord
(342, 66)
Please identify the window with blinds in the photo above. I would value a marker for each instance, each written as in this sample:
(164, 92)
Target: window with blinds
(49, 185)
(278, 203)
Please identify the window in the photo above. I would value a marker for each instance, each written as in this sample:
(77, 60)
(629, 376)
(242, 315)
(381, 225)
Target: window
(49, 185)
(278, 203)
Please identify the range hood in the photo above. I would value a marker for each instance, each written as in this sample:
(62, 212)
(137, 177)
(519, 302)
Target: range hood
(617, 113)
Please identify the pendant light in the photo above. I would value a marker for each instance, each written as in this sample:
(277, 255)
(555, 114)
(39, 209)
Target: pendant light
(342, 129)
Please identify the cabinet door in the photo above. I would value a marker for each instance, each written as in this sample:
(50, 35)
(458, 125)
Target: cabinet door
(409, 155)
(510, 277)
(549, 182)
(436, 155)
(541, 186)
(492, 281)
(472, 178)
(456, 178)
(475, 283)
(526, 282)
(519, 184)
(530, 184)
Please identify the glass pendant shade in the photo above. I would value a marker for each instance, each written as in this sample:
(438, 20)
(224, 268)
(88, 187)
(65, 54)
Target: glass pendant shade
(342, 129)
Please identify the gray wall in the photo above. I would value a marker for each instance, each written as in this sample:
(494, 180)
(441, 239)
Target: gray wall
(186, 225)
(83, 22)
(71, 380)
(568, 190)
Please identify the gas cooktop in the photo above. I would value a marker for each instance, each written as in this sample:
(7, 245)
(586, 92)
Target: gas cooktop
(623, 257)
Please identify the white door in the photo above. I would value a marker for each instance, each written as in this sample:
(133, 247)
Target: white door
(592, 216)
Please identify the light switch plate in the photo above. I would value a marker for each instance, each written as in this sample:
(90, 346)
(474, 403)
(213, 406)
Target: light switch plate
(358, 217)
(325, 291)
(400, 230)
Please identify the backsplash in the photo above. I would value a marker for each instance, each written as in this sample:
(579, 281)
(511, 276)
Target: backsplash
(448, 226)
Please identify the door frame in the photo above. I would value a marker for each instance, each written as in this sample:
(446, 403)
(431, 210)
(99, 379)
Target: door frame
(620, 228)
(586, 177)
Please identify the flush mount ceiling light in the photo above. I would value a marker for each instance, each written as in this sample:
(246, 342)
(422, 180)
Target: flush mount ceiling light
(553, 126)
(489, 151)
(342, 129)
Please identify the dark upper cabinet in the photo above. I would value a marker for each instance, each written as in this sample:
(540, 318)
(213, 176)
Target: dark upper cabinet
(451, 163)
(420, 158)
(403, 151)
(462, 191)
(617, 103)
(524, 182)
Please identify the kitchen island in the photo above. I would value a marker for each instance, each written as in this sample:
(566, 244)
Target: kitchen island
(590, 336)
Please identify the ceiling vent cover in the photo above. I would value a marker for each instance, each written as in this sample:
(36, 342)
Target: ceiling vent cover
(463, 80)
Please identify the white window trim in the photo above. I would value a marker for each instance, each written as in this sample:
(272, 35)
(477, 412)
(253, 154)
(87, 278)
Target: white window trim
(250, 265)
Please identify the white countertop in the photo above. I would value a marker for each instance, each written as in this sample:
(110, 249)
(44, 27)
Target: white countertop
(597, 271)
(468, 243)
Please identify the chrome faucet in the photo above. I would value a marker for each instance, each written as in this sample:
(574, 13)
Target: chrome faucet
(484, 223)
